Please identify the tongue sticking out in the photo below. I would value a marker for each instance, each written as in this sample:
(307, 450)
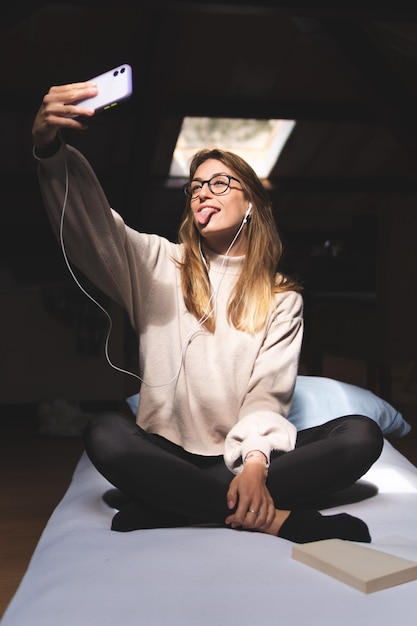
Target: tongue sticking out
(204, 216)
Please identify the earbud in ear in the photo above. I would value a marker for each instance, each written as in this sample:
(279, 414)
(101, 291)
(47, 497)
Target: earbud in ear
(246, 219)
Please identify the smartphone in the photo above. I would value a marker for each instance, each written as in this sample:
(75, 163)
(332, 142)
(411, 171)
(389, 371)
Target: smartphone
(114, 87)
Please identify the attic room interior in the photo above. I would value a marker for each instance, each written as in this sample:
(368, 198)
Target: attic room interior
(343, 190)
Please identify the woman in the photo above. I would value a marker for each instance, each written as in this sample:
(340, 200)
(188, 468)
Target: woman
(219, 341)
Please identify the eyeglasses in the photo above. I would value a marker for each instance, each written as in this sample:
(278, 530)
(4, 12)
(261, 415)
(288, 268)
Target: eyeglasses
(217, 184)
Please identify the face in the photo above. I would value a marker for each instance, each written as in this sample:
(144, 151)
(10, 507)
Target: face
(218, 217)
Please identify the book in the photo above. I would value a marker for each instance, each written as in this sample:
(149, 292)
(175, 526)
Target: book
(359, 566)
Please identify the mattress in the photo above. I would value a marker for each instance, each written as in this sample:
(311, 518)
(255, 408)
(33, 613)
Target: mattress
(84, 574)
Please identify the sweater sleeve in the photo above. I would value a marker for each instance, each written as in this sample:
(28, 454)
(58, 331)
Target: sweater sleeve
(263, 423)
(96, 239)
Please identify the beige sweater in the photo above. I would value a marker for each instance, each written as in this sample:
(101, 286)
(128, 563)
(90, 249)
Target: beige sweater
(222, 393)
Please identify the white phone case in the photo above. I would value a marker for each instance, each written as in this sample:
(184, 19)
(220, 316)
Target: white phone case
(114, 86)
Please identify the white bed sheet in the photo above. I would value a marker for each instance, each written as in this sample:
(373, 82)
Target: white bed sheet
(83, 574)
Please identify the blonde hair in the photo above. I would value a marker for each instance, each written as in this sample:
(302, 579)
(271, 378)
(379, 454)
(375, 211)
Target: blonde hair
(253, 296)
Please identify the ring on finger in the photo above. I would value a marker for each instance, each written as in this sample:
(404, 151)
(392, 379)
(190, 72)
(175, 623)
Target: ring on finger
(255, 512)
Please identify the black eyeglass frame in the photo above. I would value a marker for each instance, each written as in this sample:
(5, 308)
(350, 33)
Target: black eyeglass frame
(186, 187)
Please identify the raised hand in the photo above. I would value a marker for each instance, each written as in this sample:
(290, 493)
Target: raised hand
(59, 109)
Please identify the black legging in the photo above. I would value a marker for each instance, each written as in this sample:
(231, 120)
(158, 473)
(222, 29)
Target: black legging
(189, 487)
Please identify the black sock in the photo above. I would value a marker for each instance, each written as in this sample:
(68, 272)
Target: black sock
(139, 515)
(306, 526)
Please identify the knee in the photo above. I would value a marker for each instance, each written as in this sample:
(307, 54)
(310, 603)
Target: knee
(101, 436)
(371, 436)
(366, 438)
(96, 429)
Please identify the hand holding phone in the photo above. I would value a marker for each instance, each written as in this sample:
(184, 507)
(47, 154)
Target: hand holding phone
(114, 87)
(59, 106)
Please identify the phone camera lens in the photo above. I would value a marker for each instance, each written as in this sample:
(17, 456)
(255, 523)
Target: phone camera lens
(115, 72)
(122, 70)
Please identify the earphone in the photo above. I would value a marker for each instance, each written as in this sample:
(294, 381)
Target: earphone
(247, 217)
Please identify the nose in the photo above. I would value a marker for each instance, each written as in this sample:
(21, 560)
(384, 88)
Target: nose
(205, 190)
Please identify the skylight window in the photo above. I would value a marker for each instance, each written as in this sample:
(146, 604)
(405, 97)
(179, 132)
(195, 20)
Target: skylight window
(259, 142)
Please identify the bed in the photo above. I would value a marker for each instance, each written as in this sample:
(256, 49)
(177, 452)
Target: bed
(83, 574)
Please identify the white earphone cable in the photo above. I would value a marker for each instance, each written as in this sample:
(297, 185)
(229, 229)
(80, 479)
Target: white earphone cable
(77, 282)
(205, 316)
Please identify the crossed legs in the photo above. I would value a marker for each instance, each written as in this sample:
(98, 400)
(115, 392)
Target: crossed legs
(168, 486)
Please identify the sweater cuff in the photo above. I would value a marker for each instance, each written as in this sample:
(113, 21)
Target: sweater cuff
(266, 432)
(50, 151)
(234, 457)
(256, 442)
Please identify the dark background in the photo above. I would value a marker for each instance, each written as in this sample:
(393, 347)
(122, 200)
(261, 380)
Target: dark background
(344, 189)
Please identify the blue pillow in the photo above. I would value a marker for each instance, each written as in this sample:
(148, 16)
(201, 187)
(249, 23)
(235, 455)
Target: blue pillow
(317, 400)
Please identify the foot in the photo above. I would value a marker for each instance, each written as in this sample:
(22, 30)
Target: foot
(274, 527)
(139, 516)
(306, 526)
